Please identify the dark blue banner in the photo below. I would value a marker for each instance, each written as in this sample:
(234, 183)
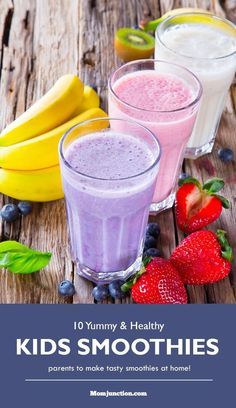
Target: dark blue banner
(57, 355)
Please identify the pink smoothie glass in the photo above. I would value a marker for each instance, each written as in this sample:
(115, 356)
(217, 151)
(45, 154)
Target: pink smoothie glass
(163, 97)
(108, 192)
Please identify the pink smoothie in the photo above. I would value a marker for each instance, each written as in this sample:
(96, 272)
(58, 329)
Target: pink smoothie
(158, 101)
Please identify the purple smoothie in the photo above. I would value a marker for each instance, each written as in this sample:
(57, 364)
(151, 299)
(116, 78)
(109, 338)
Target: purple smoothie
(108, 195)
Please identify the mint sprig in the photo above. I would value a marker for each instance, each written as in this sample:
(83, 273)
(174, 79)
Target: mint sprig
(18, 258)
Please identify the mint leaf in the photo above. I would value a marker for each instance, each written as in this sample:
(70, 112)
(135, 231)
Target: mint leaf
(18, 258)
(12, 246)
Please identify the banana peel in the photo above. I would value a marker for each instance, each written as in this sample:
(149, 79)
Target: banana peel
(201, 19)
(42, 151)
(36, 185)
(57, 106)
(90, 99)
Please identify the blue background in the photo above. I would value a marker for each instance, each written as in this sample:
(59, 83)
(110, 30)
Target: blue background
(56, 321)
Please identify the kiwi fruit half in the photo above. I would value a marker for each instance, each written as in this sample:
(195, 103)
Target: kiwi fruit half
(132, 44)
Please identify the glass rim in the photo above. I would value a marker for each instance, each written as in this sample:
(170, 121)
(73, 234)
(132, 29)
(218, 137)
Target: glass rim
(71, 168)
(153, 60)
(213, 17)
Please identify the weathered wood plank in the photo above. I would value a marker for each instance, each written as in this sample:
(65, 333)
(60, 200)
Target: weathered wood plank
(55, 45)
(5, 24)
(40, 40)
(229, 7)
(14, 76)
(233, 277)
(98, 22)
(210, 165)
(42, 47)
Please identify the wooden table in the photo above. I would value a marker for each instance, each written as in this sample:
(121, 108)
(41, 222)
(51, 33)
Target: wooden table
(44, 39)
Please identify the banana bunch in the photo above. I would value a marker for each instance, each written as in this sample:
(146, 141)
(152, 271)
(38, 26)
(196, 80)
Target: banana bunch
(152, 25)
(29, 162)
(195, 15)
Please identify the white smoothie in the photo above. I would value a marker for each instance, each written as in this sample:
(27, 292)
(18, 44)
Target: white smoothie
(210, 53)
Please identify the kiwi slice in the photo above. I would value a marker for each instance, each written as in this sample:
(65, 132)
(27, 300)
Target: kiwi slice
(132, 44)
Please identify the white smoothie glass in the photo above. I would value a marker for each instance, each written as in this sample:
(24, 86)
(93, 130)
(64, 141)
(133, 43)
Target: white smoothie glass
(206, 45)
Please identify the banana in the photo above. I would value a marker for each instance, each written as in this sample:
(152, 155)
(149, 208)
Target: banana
(58, 105)
(42, 151)
(38, 185)
(152, 25)
(90, 99)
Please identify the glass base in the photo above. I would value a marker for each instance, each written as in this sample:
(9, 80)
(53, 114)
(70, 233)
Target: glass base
(107, 277)
(195, 152)
(162, 205)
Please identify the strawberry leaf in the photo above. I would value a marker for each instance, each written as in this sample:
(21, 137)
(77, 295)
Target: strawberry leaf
(146, 260)
(128, 285)
(191, 180)
(224, 201)
(226, 250)
(213, 185)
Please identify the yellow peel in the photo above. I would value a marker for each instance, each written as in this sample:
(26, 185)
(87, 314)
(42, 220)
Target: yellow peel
(194, 18)
(204, 19)
(58, 105)
(90, 99)
(42, 151)
(38, 185)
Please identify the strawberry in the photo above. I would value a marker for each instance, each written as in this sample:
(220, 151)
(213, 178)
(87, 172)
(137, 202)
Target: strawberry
(203, 257)
(197, 205)
(158, 282)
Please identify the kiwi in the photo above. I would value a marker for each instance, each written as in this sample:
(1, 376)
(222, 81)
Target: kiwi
(132, 44)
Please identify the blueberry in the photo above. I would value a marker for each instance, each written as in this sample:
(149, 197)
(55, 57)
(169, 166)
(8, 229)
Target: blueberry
(150, 242)
(183, 176)
(136, 27)
(25, 207)
(226, 154)
(153, 229)
(153, 252)
(95, 88)
(115, 289)
(66, 288)
(100, 292)
(9, 212)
